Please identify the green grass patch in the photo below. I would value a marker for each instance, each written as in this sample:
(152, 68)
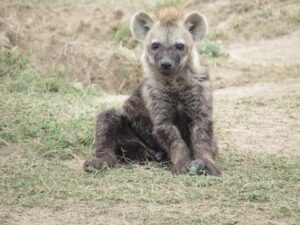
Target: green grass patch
(211, 49)
(124, 37)
(44, 111)
(249, 181)
(12, 62)
(121, 34)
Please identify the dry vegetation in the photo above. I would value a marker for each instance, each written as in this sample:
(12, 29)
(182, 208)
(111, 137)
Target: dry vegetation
(62, 61)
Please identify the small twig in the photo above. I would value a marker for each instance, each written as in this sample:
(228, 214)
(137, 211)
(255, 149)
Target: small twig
(5, 142)
(49, 190)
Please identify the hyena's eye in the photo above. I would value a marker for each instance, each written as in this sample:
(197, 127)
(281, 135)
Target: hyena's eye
(155, 46)
(179, 46)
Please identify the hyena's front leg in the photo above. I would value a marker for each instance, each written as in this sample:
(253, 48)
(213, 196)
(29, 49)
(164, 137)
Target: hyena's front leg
(203, 145)
(161, 105)
(107, 128)
(169, 137)
(199, 107)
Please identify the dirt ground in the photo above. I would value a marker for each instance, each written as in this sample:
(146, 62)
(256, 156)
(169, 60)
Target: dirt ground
(255, 86)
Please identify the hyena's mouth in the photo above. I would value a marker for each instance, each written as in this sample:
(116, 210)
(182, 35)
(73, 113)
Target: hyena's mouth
(168, 72)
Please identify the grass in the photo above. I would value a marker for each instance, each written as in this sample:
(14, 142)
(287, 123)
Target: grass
(47, 128)
(121, 34)
(40, 108)
(48, 184)
(124, 37)
(211, 49)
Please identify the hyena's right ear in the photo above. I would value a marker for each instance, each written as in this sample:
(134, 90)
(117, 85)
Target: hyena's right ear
(141, 23)
(197, 25)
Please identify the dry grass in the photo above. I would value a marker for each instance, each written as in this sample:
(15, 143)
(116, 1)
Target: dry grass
(240, 20)
(80, 48)
(96, 37)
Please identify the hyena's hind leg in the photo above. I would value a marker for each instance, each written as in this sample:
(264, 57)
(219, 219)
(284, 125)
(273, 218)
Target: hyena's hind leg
(134, 149)
(108, 125)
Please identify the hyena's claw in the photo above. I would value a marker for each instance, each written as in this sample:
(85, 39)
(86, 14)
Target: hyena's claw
(92, 164)
(97, 164)
(182, 167)
(159, 156)
(211, 169)
(197, 167)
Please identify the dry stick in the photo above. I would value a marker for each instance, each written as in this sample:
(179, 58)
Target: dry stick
(5, 142)
(43, 182)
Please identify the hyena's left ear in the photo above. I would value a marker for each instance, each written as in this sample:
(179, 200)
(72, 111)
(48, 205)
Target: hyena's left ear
(141, 23)
(197, 25)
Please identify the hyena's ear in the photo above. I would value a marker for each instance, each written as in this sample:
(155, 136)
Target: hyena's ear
(197, 25)
(141, 23)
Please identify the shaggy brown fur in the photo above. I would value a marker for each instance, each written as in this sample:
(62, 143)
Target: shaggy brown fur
(169, 115)
(169, 15)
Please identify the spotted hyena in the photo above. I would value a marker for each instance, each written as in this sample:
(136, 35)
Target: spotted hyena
(169, 115)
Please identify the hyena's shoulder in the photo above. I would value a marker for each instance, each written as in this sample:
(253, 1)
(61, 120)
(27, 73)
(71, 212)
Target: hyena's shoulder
(135, 104)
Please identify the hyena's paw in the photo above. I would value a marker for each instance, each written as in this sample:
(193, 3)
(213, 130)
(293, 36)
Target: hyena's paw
(210, 169)
(182, 167)
(98, 163)
(197, 167)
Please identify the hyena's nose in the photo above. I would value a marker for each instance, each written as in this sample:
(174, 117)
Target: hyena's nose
(165, 64)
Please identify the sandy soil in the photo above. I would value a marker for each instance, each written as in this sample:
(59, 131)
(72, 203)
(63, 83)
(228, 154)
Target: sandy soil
(260, 118)
(280, 51)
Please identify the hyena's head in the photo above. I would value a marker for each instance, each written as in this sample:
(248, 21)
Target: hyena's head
(169, 38)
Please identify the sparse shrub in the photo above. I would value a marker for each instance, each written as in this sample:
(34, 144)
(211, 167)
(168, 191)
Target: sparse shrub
(123, 36)
(211, 49)
(12, 61)
(219, 34)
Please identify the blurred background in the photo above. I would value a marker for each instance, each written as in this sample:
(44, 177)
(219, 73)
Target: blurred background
(90, 41)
